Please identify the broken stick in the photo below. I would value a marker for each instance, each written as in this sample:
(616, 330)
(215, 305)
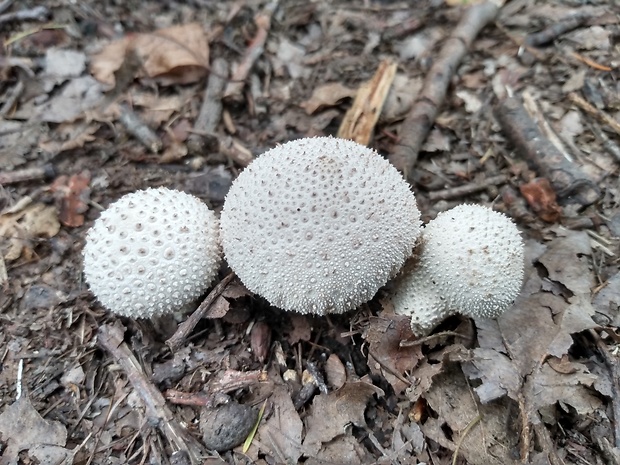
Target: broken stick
(110, 338)
(420, 119)
(203, 138)
(178, 338)
(565, 177)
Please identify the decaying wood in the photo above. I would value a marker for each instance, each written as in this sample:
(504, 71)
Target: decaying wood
(137, 128)
(467, 189)
(203, 138)
(565, 177)
(360, 121)
(178, 338)
(110, 338)
(420, 119)
(28, 174)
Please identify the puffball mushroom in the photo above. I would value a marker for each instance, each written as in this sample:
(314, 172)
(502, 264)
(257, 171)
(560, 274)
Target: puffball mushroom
(152, 252)
(471, 261)
(318, 225)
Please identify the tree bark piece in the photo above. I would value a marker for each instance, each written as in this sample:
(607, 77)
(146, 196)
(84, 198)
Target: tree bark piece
(359, 122)
(110, 338)
(420, 119)
(569, 182)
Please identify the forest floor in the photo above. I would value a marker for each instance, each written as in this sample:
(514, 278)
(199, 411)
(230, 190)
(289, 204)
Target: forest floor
(99, 99)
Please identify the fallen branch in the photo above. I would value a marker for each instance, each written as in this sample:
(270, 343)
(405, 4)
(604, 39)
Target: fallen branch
(203, 138)
(420, 119)
(565, 177)
(178, 338)
(110, 338)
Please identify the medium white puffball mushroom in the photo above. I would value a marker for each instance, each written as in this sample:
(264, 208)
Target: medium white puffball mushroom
(318, 225)
(471, 261)
(152, 252)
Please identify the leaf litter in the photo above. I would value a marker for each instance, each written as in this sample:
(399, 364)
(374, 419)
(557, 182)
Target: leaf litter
(531, 387)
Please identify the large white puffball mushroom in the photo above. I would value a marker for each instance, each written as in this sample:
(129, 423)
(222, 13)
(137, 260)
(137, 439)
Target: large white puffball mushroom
(152, 252)
(318, 225)
(471, 261)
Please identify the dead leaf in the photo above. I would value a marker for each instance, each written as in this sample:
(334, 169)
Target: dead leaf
(489, 442)
(437, 141)
(541, 198)
(400, 98)
(175, 55)
(283, 429)
(69, 136)
(19, 228)
(327, 95)
(330, 414)
(74, 195)
(302, 329)
(22, 428)
(385, 356)
(471, 100)
(335, 372)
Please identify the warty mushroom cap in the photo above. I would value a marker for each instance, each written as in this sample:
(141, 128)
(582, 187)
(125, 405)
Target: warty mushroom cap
(151, 252)
(471, 259)
(318, 225)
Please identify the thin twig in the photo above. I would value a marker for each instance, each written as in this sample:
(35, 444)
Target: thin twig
(29, 174)
(599, 114)
(110, 337)
(38, 13)
(467, 189)
(254, 50)
(420, 119)
(11, 99)
(614, 369)
(178, 338)
(466, 431)
(137, 128)
(424, 340)
(608, 144)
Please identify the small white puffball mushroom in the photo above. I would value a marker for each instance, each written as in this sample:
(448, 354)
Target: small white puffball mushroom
(471, 261)
(152, 252)
(318, 225)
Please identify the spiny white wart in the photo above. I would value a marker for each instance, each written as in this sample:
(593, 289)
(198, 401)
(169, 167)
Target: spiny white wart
(318, 225)
(471, 261)
(151, 252)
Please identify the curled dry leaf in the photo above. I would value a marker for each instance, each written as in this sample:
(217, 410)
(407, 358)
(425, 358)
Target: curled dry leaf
(175, 55)
(335, 372)
(541, 198)
(74, 194)
(20, 227)
(260, 340)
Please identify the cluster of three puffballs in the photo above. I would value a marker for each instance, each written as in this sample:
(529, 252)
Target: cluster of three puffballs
(315, 226)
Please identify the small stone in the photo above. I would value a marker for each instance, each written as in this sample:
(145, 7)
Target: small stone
(226, 426)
